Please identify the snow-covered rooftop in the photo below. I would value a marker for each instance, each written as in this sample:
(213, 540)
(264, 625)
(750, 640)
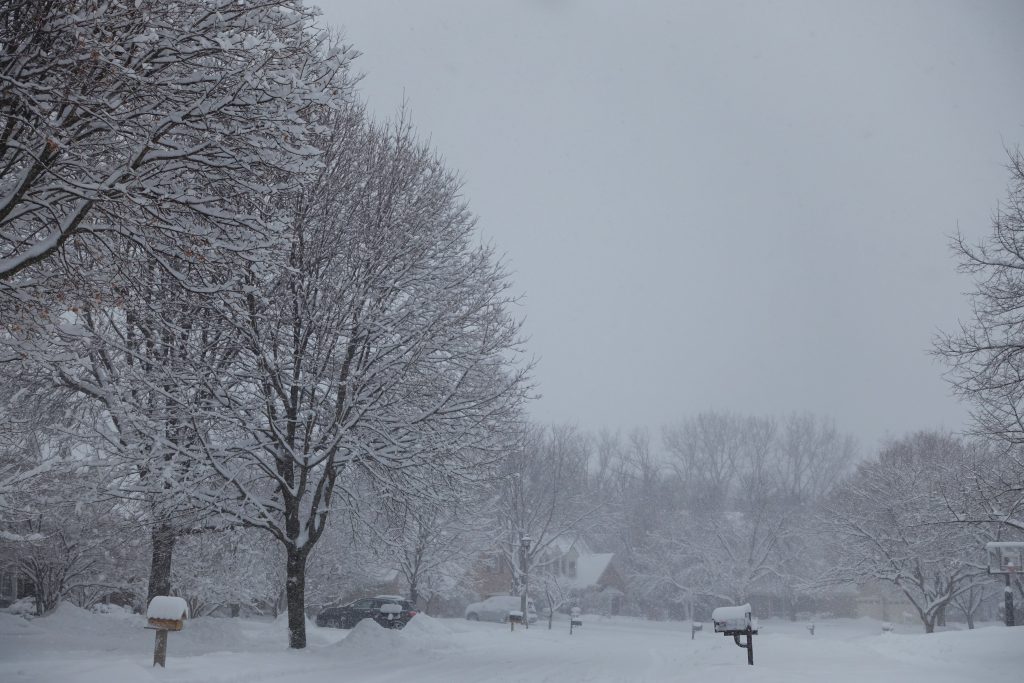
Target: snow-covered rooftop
(590, 567)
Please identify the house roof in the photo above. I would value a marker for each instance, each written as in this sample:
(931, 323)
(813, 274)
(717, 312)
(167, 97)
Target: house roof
(590, 567)
(563, 544)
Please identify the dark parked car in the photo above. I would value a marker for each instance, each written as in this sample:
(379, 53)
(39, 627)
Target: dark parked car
(391, 611)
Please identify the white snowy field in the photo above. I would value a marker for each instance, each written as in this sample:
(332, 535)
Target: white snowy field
(74, 645)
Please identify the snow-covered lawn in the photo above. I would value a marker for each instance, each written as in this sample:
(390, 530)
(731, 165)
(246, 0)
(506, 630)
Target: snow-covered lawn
(74, 645)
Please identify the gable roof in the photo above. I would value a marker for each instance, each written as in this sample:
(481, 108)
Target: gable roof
(590, 567)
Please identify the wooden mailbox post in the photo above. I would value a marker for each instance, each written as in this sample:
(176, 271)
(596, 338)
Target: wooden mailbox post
(165, 613)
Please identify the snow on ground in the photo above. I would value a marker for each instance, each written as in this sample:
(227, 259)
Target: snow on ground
(75, 645)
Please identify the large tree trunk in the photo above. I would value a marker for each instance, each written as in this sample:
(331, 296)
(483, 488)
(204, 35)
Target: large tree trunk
(295, 587)
(162, 539)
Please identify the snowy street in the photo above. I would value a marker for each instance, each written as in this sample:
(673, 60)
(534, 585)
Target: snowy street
(74, 645)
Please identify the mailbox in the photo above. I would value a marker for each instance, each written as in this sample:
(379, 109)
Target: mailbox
(1005, 557)
(167, 613)
(736, 621)
(389, 611)
(733, 620)
(515, 616)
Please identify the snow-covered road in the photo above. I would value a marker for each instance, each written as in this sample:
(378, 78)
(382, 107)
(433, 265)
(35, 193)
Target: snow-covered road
(73, 645)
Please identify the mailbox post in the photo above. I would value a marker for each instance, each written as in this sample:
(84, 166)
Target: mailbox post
(1006, 558)
(574, 619)
(515, 617)
(737, 621)
(165, 613)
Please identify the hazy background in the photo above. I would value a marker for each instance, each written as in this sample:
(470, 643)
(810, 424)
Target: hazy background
(720, 205)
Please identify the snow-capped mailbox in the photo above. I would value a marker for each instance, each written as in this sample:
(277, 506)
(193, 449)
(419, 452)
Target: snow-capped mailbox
(167, 613)
(575, 619)
(737, 621)
(389, 611)
(729, 620)
(1005, 557)
(515, 617)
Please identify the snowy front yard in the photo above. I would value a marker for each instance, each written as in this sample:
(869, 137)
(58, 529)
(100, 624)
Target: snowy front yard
(74, 645)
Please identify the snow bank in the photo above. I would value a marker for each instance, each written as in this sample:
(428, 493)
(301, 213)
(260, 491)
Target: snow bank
(426, 635)
(423, 626)
(72, 618)
(25, 607)
(208, 634)
(370, 638)
(422, 637)
(12, 625)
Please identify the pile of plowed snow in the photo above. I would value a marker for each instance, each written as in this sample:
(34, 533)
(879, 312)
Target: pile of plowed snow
(421, 635)
(427, 633)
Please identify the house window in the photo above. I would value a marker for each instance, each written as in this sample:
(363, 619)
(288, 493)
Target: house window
(570, 568)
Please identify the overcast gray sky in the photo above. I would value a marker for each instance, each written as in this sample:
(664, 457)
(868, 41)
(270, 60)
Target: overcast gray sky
(735, 206)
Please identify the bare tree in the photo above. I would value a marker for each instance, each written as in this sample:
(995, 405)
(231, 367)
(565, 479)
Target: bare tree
(384, 347)
(891, 525)
(986, 352)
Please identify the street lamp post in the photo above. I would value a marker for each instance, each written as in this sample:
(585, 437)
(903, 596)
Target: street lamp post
(524, 549)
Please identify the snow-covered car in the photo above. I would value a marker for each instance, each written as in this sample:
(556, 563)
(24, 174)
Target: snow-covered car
(390, 611)
(497, 607)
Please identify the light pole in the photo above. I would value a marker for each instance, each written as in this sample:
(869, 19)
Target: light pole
(524, 549)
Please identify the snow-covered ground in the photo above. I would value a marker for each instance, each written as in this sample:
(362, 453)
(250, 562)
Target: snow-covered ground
(74, 645)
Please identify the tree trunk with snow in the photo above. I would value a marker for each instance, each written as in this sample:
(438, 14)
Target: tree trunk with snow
(162, 539)
(295, 587)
